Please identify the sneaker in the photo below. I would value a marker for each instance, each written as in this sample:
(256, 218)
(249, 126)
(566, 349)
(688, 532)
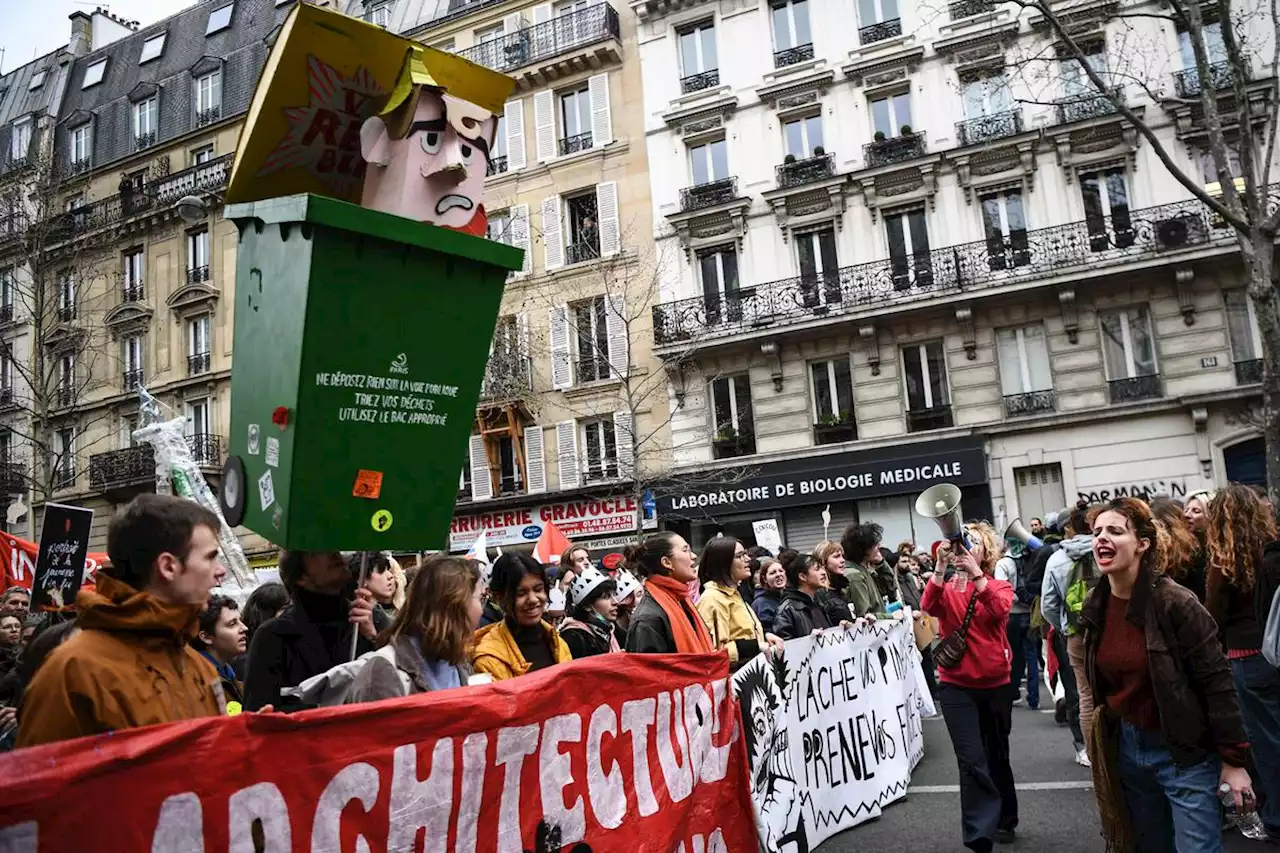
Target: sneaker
(1082, 758)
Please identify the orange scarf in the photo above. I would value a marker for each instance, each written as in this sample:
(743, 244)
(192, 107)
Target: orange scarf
(687, 628)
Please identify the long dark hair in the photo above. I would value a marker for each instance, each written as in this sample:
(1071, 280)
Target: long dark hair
(1237, 527)
(716, 562)
(508, 571)
(645, 558)
(1144, 526)
(437, 610)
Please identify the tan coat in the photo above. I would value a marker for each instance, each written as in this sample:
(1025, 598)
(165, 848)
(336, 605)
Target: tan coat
(729, 618)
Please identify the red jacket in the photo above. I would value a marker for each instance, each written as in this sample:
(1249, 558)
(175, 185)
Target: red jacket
(986, 662)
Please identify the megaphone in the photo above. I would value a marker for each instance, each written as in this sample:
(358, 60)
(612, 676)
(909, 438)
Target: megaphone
(942, 504)
(1017, 532)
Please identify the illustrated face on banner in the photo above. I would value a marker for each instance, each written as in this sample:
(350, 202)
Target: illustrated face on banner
(427, 160)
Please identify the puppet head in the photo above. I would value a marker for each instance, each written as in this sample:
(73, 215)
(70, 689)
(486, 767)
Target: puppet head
(427, 157)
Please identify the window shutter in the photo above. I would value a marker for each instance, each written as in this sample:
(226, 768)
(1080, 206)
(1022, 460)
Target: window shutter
(567, 451)
(541, 14)
(616, 326)
(610, 226)
(512, 23)
(544, 123)
(520, 235)
(522, 342)
(624, 436)
(561, 370)
(513, 117)
(552, 240)
(535, 460)
(601, 115)
(481, 478)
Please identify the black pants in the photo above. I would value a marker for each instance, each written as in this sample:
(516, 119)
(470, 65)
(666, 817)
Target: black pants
(979, 722)
(1070, 691)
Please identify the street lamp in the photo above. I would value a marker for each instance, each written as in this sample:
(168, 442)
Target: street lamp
(192, 209)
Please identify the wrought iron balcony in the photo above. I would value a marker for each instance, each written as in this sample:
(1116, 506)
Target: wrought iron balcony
(730, 444)
(1187, 82)
(792, 55)
(66, 395)
(1030, 403)
(134, 467)
(144, 140)
(1079, 109)
(79, 167)
(195, 275)
(582, 251)
(507, 376)
(206, 449)
(550, 38)
(574, 144)
(131, 380)
(835, 432)
(1074, 250)
(987, 128)
(968, 8)
(6, 313)
(198, 363)
(1136, 388)
(698, 82)
(1249, 372)
(497, 165)
(6, 396)
(134, 292)
(14, 477)
(879, 32)
(209, 116)
(64, 476)
(897, 149)
(66, 313)
(710, 194)
(921, 420)
(800, 172)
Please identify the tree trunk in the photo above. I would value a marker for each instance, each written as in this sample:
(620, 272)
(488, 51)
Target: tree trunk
(1258, 251)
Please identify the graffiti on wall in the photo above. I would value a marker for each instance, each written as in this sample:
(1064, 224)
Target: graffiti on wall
(1176, 488)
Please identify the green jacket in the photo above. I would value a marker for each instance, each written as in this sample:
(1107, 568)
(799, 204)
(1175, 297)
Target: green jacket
(863, 593)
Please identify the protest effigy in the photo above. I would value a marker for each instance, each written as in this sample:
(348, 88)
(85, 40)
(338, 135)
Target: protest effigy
(638, 753)
(832, 729)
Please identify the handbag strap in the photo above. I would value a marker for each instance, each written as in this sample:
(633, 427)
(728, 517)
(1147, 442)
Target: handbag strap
(968, 615)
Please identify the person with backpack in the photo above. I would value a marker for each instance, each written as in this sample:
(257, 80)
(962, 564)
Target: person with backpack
(1025, 645)
(1068, 578)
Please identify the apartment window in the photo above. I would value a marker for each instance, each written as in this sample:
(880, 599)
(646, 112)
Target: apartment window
(219, 19)
(1025, 382)
(575, 120)
(6, 379)
(509, 480)
(1004, 222)
(197, 412)
(201, 155)
(199, 350)
(6, 292)
(78, 152)
(832, 393)
(498, 153)
(909, 257)
(1246, 341)
(489, 33)
(145, 113)
(152, 48)
(584, 228)
(791, 30)
(131, 356)
(1076, 84)
(208, 96)
(803, 136)
(66, 380)
(1106, 209)
(1210, 169)
(66, 461)
(709, 162)
(699, 67)
(499, 228)
(734, 426)
(928, 403)
(94, 73)
(380, 15)
(66, 295)
(718, 269)
(37, 80)
(878, 20)
(20, 139)
(819, 267)
(986, 95)
(891, 114)
(591, 340)
(6, 446)
(198, 255)
(132, 264)
(600, 439)
(1215, 50)
(1128, 346)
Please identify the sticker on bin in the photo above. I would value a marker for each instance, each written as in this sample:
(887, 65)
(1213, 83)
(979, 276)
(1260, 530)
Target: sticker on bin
(368, 484)
(255, 433)
(266, 491)
(273, 452)
(381, 521)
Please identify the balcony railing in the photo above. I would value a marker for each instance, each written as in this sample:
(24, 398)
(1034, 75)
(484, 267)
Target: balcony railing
(79, 167)
(921, 420)
(198, 363)
(1249, 372)
(987, 128)
(13, 477)
(701, 80)
(792, 55)
(66, 395)
(1187, 82)
(835, 432)
(6, 313)
(1135, 388)
(710, 194)
(897, 149)
(144, 140)
(599, 469)
(134, 292)
(508, 376)
(136, 466)
(881, 31)
(195, 275)
(968, 8)
(209, 116)
(131, 380)
(548, 39)
(64, 476)
(574, 144)
(6, 396)
(497, 165)
(66, 313)
(728, 444)
(582, 251)
(1030, 403)
(800, 172)
(206, 449)
(1076, 249)
(1079, 109)
(154, 194)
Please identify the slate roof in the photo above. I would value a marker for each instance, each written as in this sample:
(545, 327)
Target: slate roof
(17, 98)
(238, 52)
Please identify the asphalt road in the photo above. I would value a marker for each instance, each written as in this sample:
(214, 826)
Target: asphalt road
(1055, 799)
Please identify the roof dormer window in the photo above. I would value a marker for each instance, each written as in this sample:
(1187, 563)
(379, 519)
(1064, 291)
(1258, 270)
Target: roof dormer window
(219, 19)
(152, 48)
(94, 73)
(37, 80)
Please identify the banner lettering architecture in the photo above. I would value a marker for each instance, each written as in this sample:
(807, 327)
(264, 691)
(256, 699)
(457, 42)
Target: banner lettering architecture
(833, 731)
(618, 752)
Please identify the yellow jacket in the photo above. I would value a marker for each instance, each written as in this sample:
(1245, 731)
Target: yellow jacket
(729, 618)
(497, 654)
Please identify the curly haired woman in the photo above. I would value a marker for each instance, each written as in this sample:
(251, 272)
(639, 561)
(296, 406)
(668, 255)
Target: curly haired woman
(1237, 529)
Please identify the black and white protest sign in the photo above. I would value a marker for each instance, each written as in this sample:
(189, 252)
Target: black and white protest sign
(64, 542)
(833, 731)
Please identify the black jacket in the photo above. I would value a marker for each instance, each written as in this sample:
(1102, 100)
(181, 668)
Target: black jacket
(799, 615)
(650, 630)
(312, 636)
(491, 614)
(585, 638)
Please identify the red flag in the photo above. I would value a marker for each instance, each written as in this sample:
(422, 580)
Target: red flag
(550, 544)
(18, 556)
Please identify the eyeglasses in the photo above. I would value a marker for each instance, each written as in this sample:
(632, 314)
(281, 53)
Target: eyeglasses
(738, 555)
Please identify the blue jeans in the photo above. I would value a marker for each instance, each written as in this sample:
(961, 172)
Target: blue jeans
(1025, 657)
(1171, 809)
(1258, 686)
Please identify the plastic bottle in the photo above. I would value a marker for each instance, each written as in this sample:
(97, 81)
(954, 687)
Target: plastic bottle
(1249, 823)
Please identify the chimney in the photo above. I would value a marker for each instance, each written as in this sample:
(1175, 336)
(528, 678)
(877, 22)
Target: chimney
(81, 34)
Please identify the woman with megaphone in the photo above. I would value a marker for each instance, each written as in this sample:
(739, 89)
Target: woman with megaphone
(973, 693)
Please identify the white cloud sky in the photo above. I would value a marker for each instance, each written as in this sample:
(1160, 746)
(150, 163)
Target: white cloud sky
(28, 30)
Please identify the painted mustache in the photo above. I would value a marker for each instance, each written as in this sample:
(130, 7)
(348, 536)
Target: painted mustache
(449, 202)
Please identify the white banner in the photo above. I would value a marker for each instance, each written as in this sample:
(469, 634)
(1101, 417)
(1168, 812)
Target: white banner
(833, 731)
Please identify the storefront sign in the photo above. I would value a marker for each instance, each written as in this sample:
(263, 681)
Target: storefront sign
(577, 519)
(839, 477)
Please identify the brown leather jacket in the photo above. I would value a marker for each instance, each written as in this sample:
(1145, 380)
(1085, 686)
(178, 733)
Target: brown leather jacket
(1199, 712)
(129, 666)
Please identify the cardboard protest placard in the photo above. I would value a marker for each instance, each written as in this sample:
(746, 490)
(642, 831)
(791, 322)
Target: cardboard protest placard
(60, 567)
(18, 556)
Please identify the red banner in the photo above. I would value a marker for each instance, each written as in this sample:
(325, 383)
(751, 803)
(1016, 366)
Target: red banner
(19, 558)
(615, 752)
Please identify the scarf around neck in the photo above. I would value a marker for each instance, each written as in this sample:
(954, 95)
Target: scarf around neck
(687, 628)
